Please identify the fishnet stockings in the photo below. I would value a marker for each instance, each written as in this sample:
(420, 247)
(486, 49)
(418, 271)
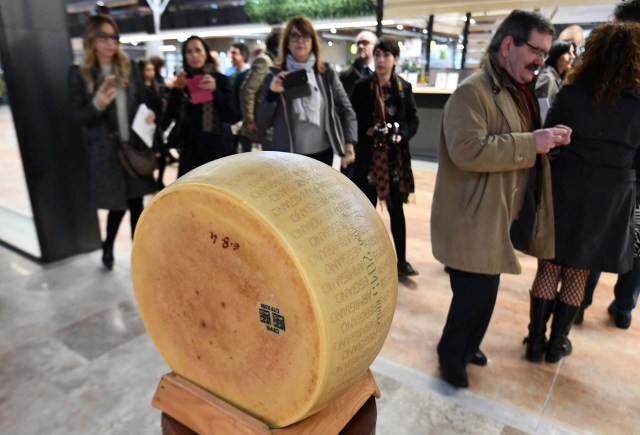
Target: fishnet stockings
(549, 274)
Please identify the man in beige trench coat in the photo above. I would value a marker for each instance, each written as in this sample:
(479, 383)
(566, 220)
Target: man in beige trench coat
(493, 187)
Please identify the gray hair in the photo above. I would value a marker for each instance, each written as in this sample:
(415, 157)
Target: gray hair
(519, 25)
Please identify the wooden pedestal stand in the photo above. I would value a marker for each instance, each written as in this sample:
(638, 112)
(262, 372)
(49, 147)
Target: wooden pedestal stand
(187, 407)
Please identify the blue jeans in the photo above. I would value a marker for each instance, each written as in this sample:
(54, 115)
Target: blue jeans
(626, 289)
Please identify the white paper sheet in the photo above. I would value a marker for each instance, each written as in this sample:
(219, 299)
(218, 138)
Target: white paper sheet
(452, 80)
(143, 130)
(441, 80)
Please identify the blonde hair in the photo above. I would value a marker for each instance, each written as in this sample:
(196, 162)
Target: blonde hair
(120, 60)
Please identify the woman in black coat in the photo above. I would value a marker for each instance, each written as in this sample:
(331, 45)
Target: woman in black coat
(593, 182)
(382, 168)
(105, 92)
(154, 101)
(205, 127)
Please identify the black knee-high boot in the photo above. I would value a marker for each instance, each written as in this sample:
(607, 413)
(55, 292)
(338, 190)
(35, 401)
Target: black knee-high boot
(539, 312)
(113, 223)
(559, 344)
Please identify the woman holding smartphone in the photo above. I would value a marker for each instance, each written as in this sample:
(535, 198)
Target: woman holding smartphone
(105, 93)
(201, 103)
(313, 116)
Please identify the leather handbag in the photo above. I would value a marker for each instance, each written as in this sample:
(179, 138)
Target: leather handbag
(138, 163)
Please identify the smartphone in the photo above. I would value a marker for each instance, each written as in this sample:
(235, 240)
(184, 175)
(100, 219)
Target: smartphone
(295, 79)
(109, 82)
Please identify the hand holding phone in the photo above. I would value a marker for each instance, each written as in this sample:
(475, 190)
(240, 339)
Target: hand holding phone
(106, 92)
(180, 81)
(296, 85)
(295, 79)
(198, 93)
(109, 82)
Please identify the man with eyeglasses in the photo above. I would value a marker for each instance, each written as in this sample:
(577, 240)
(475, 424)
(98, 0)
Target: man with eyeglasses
(493, 186)
(363, 65)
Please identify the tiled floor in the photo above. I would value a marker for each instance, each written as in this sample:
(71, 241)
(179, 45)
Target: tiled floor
(75, 358)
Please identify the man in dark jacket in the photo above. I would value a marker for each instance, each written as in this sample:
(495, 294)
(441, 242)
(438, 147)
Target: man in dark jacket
(363, 64)
(627, 287)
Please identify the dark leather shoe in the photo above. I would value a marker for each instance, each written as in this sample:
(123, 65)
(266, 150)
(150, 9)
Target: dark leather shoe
(479, 358)
(405, 269)
(107, 256)
(455, 377)
(621, 320)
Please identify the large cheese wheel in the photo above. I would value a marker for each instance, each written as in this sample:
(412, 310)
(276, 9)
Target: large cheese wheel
(268, 279)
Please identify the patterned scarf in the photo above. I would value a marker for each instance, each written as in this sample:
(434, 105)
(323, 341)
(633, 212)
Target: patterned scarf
(390, 163)
(379, 166)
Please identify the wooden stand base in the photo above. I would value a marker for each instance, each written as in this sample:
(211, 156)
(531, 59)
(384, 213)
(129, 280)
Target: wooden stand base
(189, 406)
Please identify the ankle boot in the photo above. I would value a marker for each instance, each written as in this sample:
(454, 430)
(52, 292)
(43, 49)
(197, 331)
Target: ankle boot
(539, 313)
(559, 344)
(107, 255)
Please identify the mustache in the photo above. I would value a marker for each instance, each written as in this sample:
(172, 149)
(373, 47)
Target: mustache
(532, 67)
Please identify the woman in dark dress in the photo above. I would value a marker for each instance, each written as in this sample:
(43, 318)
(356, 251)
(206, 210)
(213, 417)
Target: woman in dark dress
(593, 182)
(153, 100)
(206, 122)
(387, 120)
(105, 92)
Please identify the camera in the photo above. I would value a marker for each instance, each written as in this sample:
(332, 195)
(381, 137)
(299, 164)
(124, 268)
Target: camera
(385, 135)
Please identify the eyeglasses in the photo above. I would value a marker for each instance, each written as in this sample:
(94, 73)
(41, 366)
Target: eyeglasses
(363, 42)
(297, 37)
(539, 52)
(106, 37)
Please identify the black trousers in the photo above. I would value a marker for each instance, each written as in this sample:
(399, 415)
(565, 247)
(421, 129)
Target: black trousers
(325, 156)
(396, 215)
(474, 297)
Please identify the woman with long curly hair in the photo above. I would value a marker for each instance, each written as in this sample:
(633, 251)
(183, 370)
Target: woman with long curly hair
(593, 182)
(105, 93)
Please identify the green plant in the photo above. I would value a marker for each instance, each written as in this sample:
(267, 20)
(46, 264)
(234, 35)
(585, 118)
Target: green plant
(279, 11)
